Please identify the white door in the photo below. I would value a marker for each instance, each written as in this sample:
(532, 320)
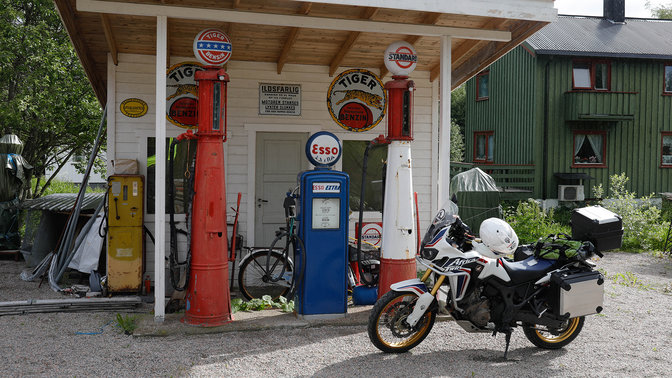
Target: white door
(279, 159)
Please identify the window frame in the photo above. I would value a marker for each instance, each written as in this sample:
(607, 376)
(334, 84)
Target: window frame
(663, 134)
(486, 134)
(665, 91)
(478, 80)
(603, 164)
(592, 63)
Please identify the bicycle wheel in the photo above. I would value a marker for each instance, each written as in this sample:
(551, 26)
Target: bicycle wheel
(253, 277)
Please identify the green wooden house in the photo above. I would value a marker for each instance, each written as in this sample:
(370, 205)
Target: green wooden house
(582, 99)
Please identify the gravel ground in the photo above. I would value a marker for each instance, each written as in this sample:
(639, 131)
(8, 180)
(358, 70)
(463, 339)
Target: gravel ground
(632, 337)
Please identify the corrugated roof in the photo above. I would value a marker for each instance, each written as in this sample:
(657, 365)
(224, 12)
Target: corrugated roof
(63, 202)
(595, 36)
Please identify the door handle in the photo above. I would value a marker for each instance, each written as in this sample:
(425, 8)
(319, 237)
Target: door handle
(260, 201)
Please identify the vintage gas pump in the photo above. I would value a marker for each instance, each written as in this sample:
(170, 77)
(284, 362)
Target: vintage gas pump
(323, 227)
(208, 300)
(398, 247)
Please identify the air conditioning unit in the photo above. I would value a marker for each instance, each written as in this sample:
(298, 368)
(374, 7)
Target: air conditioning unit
(570, 193)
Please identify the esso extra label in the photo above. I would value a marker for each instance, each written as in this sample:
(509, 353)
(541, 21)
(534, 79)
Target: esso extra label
(323, 149)
(326, 187)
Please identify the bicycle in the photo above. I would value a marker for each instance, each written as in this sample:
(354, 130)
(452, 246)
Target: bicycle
(270, 271)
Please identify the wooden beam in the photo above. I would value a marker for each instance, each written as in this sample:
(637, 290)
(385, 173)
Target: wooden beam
(68, 17)
(367, 14)
(288, 20)
(293, 35)
(236, 4)
(109, 37)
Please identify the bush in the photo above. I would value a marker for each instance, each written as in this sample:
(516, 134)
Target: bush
(643, 226)
(531, 222)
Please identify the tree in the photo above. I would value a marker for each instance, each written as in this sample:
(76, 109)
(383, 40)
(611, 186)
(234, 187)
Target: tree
(457, 116)
(662, 11)
(45, 97)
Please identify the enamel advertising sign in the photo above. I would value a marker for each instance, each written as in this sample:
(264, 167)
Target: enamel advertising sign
(182, 95)
(400, 58)
(212, 47)
(356, 100)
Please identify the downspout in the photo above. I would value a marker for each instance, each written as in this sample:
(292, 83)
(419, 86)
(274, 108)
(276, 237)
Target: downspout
(544, 168)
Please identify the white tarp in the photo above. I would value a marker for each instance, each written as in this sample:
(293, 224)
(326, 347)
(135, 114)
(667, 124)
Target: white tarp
(87, 255)
(473, 180)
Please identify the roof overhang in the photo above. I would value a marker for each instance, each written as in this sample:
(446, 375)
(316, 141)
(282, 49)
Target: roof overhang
(333, 33)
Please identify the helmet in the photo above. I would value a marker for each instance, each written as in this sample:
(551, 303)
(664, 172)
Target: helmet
(498, 236)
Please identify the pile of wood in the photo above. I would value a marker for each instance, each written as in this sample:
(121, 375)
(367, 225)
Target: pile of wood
(69, 305)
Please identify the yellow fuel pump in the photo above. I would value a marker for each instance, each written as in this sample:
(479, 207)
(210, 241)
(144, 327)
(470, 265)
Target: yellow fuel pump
(125, 246)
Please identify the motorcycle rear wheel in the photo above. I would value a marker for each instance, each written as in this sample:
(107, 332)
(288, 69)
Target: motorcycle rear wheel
(547, 340)
(387, 326)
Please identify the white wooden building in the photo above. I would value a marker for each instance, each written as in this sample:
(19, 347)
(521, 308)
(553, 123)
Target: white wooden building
(127, 46)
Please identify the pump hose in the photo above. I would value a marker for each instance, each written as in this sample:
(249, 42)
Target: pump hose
(365, 161)
(175, 264)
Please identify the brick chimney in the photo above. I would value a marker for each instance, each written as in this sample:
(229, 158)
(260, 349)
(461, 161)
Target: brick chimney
(614, 10)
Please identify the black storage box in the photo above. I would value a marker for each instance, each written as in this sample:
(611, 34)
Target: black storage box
(598, 225)
(577, 293)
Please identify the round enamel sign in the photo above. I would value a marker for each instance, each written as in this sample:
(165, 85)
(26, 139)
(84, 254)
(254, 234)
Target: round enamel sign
(356, 100)
(212, 47)
(400, 58)
(182, 95)
(323, 149)
(372, 233)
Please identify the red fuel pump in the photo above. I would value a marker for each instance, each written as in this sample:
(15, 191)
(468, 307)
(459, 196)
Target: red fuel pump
(208, 300)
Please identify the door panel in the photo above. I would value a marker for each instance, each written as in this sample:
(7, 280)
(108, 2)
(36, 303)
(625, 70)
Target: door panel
(279, 158)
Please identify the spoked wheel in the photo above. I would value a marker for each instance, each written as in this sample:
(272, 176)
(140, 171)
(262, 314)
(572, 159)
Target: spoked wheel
(388, 329)
(554, 339)
(254, 279)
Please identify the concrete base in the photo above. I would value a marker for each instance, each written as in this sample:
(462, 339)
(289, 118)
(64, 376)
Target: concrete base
(321, 316)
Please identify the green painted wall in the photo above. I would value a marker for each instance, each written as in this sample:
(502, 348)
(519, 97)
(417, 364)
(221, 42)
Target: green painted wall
(516, 111)
(511, 86)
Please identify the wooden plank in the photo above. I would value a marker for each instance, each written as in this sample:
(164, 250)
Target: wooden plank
(291, 39)
(109, 37)
(367, 14)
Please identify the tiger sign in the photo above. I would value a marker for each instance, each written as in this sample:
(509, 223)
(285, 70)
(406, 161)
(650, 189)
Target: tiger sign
(356, 100)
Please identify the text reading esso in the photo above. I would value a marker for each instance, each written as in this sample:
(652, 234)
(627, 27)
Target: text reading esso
(323, 149)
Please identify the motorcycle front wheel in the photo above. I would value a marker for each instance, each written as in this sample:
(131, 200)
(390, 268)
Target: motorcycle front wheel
(544, 338)
(388, 329)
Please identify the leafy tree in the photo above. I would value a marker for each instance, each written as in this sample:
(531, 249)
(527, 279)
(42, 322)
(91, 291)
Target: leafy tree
(45, 97)
(662, 11)
(457, 111)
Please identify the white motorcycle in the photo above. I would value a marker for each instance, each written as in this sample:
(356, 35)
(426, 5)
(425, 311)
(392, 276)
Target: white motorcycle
(487, 292)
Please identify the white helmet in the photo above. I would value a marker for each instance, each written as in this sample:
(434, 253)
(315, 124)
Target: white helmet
(498, 236)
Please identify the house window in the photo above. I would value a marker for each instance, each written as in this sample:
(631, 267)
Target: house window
(589, 148)
(667, 85)
(482, 90)
(184, 153)
(593, 75)
(666, 150)
(353, 156)
(484, 146)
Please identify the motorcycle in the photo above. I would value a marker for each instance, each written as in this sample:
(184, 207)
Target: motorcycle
(486, 292)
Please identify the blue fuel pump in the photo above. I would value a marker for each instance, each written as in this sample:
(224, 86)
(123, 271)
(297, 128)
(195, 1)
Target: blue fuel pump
(323, 227)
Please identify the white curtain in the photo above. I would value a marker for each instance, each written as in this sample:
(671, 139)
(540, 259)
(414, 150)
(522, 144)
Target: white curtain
(595, 141)
(578, 142)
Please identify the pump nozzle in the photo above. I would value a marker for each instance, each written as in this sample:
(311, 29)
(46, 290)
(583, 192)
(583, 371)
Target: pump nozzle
(380, 139)
(188, 135)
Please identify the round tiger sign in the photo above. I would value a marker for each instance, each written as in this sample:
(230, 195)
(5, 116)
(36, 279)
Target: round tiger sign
(356, 100)
(212, 47)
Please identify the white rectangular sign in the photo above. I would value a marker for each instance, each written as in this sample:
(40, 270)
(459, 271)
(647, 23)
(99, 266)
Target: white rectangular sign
(326, 187)
(279, 99)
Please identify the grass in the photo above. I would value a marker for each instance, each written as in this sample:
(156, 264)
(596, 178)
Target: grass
(64, 187)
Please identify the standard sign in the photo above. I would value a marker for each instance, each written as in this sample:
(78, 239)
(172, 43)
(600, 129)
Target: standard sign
(400, 58)
(356, 100)
(280, 99)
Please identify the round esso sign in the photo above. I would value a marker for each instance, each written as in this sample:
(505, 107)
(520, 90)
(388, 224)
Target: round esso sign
(212, 47)
(400, 58)
(323, 149)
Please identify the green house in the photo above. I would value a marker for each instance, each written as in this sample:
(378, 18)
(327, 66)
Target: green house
(582, 99)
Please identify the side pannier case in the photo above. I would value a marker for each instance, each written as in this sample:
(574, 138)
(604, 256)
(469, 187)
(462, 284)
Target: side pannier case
(598, 225)
(577, 293)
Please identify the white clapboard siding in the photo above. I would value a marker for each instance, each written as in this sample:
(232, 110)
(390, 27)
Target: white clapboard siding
(135, 79)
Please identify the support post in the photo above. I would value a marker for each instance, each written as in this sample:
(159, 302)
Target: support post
(160, 176)
(444, 126)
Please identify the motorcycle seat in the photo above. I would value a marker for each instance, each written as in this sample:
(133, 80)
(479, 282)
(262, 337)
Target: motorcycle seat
(528, 269)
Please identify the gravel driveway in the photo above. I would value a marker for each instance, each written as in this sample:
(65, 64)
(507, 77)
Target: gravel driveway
(632, 337)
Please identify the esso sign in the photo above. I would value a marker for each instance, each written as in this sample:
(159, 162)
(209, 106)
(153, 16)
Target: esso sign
(400, 58)
(323, 149)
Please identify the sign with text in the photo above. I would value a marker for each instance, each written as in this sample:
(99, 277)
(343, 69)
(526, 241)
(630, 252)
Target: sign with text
(182, 95)
(280, 99)
(356, 100)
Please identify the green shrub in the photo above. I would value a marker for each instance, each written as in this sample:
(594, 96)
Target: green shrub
(531, 222)
(643, 226)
